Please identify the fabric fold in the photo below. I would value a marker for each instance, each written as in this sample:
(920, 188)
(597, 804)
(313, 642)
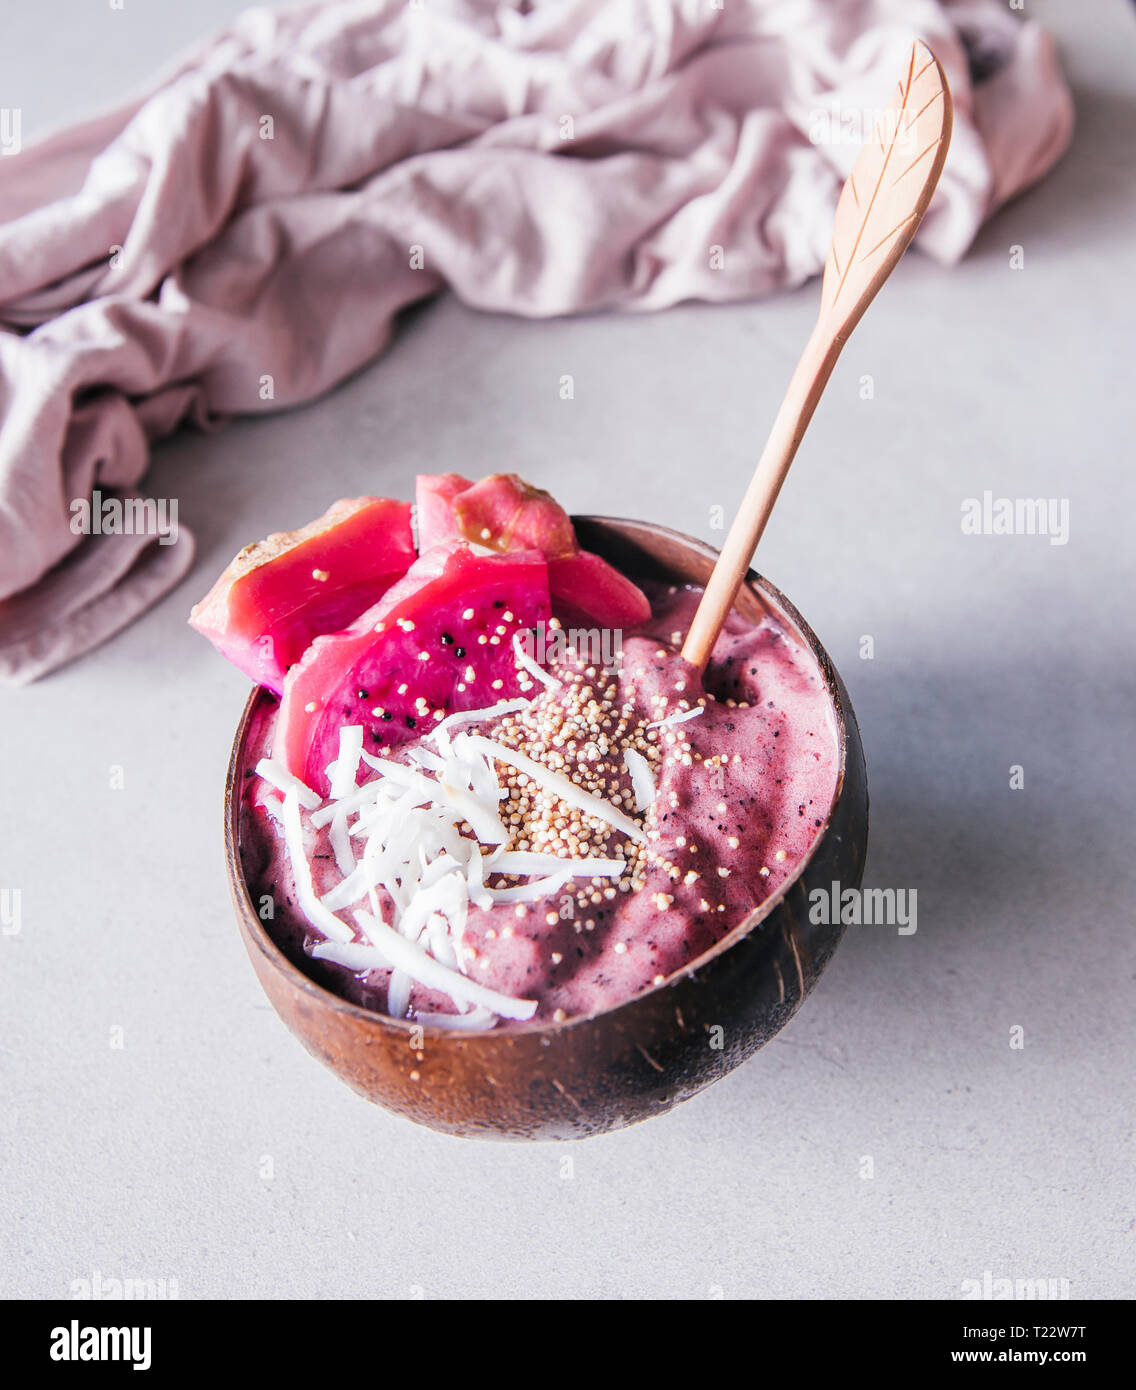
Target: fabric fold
(267, 207)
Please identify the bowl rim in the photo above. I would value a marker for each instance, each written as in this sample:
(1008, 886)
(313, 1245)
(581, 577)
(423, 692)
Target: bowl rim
(777, 605)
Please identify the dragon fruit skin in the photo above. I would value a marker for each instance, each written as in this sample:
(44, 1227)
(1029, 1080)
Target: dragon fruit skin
(502, 512)
(280, 593)
(414, 657)
(434, 495)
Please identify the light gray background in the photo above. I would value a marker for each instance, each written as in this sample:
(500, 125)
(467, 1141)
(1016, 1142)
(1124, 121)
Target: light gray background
(145, 1161)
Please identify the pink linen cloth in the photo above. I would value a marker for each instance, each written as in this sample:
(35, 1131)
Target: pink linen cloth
(272, 202)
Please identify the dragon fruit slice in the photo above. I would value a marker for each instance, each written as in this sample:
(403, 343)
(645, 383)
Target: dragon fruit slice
(586, 589)
(414, 657)
(503, 512)
(280, 593)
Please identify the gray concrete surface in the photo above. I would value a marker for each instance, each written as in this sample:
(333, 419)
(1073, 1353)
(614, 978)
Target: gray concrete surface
(147, 1160)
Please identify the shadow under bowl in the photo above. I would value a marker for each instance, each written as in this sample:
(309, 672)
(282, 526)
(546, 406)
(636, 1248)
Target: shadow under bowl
(600, 1071)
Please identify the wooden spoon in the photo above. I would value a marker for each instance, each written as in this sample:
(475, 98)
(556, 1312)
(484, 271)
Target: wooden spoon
(879, 211)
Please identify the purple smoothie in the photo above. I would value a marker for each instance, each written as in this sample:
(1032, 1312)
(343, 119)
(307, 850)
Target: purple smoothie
(742, 792)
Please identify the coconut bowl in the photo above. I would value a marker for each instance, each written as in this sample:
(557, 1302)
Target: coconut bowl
(604, 1070)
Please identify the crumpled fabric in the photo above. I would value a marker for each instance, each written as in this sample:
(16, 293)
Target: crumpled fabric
(240, 237)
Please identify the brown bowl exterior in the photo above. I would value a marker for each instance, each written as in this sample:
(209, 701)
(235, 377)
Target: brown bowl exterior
(602, 1071)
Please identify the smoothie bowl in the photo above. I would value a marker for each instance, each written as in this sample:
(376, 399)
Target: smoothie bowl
(561, 905)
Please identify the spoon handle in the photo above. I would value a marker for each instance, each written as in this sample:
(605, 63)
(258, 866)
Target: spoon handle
(880, 208)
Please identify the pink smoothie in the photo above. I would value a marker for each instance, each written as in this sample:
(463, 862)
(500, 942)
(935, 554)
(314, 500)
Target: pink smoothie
(742, 792)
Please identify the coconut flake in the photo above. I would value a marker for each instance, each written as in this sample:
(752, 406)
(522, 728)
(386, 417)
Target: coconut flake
(680, 718)
(446, 899)
(341, 844)
(441, 731)
(398, 994)
(427, 760)
(531, 892)
(530, 862)
(405, 955)
(642, 779)
(355, 802)
(482, 820)
(341, 772)
(476, 1018)
(277, 775)
(444, 942)
(475, 880)
(352, 955)
(523, 659)
(319, 916)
